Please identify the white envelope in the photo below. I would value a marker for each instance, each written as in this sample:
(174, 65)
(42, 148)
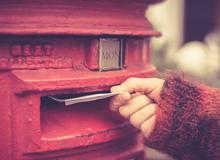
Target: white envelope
(87, 98)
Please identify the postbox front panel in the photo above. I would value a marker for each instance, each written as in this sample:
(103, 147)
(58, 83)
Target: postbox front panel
(66, 49)
(77, 53)
(41, 66)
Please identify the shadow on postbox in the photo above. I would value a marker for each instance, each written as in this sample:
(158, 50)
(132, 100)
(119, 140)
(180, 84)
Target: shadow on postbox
(65, 49)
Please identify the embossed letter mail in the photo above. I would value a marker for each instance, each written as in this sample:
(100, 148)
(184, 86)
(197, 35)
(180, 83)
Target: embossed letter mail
(33, 56)
(31, 50)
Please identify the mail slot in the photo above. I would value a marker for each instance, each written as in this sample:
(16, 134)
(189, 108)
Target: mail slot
(68, 49)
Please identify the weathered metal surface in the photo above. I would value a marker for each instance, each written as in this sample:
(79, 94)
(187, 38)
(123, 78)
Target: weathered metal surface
(78, 17)
(53, 47)
(110, 54)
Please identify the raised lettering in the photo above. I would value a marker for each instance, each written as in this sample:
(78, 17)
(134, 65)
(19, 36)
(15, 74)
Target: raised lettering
(38, 51)
(16, 50)
(31, 50)
(110, 55)
(27, 50)
(47, 49)
(4, 63)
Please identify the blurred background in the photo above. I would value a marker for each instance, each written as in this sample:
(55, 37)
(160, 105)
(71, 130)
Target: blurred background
(190, 41)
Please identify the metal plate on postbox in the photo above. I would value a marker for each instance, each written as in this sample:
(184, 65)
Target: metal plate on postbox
(110, 54)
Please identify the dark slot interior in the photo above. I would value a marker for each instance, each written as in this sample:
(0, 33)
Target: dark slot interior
(47, 99)
(78, 120)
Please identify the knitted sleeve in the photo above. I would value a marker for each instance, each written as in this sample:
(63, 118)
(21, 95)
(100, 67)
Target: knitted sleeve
(188, 121)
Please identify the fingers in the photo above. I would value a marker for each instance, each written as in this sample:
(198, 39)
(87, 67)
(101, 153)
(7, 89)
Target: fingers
(119, 100)
(136, 94)
(138, 108)
(140, 84)
(134, 105)
(148, 126)
(142, 115)
(146, 85)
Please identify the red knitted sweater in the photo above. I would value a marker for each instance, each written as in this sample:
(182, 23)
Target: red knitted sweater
(188, 121)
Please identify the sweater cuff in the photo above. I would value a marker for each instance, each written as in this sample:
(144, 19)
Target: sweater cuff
(179, 112)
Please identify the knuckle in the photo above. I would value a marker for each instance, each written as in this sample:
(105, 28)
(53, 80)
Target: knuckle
(143, 127)
(113, 108)
(158, 81)
(144, 98)
(130, 80)
(112, 103)
(133, 121)
(123, 111)
(154, 107)
(115, 103)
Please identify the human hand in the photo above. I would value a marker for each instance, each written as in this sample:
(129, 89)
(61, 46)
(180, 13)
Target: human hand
(138, 101)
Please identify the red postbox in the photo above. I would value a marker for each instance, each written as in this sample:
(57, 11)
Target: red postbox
(67, 48)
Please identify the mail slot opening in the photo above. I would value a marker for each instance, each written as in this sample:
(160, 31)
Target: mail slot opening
(68, 96)
(76, 121)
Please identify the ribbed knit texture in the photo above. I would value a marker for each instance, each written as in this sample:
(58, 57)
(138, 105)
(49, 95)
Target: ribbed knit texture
(188, 121)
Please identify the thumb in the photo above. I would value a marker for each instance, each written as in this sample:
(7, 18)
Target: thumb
(150, 86)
